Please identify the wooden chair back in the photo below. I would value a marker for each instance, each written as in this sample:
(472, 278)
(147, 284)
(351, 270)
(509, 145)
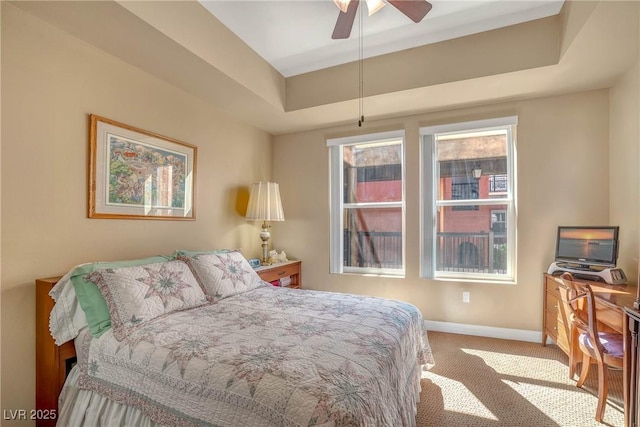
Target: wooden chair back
(580, 299)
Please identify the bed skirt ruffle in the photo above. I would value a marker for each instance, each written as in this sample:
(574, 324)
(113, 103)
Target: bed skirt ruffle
(87, 408)
(80, 407)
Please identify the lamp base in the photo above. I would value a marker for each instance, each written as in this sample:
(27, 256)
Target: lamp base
(265, 236)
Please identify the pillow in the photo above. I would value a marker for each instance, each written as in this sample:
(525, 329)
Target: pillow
(222, 275)
(184, 253)
(89, 296)
(136, 295)
(79, 302)
(67, 317)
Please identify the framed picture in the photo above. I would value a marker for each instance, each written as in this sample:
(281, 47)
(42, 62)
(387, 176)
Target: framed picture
(135, 174)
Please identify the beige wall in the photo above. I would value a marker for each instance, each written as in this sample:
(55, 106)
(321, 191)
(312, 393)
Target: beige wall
(50, 83)
(624, 152)
(563, 178)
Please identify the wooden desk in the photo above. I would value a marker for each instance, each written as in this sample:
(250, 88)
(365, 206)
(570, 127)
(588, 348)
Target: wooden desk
(632, 415)
(611, 301)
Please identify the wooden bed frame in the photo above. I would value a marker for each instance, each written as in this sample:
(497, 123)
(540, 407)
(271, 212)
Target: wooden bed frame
(53, 362)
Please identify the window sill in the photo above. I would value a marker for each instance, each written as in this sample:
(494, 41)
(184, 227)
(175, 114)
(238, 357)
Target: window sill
(509, 281)
(385, 274)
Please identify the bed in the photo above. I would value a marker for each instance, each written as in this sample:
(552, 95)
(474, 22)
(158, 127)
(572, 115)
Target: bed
(196, 338)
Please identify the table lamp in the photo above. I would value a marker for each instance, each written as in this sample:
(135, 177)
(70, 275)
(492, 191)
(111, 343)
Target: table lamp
(265, 205)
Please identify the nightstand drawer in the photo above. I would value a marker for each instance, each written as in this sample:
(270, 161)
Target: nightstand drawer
(278, 271)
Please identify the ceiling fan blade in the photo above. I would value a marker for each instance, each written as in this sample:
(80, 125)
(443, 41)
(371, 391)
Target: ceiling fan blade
(414, 9)
(345, 20)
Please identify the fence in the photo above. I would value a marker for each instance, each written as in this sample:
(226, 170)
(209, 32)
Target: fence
(472, 252)
(375, 249)
(458, 252)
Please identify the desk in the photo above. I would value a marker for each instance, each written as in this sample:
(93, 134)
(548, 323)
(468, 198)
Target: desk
(611, 301)
(632, 415)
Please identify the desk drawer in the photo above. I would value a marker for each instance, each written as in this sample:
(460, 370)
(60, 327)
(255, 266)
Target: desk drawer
(552, 287)
(557, 306)
(556, 316)
(609, 319)
(557, 329)
(563, 338)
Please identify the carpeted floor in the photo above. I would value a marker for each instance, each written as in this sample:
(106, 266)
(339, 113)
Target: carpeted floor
(493, 382)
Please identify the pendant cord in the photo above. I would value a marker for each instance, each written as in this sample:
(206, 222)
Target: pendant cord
(361, 69)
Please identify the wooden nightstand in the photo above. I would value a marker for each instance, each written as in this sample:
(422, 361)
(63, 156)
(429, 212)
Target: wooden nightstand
(293, 269)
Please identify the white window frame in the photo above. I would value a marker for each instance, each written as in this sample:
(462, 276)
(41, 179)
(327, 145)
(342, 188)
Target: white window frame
(336, 204)
(429, 205)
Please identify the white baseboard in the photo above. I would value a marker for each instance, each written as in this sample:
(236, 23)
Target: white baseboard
(484, 331)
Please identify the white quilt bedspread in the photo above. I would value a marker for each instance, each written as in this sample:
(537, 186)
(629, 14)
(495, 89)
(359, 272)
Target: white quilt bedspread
(268, 357)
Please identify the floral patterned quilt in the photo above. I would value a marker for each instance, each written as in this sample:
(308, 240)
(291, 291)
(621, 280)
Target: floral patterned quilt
(268, 357)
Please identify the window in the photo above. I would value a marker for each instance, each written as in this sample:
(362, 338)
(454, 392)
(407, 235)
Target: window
(468, 200)
(367, 204)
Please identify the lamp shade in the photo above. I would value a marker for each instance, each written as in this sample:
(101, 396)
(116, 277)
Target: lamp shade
(264, 202)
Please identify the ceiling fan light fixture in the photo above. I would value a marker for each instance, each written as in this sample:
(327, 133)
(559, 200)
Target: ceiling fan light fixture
(374, 5)
(415, 10)
(343, 5)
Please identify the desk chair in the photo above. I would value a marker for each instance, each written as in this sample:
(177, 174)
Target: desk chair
(606, 348)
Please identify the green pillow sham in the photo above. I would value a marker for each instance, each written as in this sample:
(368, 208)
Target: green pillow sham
(179, 252)
(91, 300)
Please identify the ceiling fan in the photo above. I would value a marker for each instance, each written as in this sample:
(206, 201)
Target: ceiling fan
(413, 9)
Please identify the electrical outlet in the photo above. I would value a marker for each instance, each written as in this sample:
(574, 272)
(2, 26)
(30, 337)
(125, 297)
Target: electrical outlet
(466, 296)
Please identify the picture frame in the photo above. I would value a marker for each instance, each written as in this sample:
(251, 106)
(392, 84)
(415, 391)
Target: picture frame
(137, 174)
